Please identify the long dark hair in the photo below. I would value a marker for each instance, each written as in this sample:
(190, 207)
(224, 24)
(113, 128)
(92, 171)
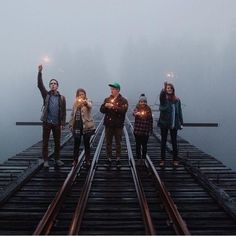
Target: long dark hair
(80, 90)
(172, 96)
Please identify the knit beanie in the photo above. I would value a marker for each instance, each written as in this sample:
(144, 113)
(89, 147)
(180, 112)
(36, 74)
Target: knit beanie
(143, 98)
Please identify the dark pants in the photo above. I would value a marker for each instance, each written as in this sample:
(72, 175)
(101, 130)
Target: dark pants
(173, 135)
(56, 132)
(77, 141)
(141, 141)
(109, 134)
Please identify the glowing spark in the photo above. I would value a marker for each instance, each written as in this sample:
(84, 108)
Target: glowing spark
(46, 59)
(169, 75)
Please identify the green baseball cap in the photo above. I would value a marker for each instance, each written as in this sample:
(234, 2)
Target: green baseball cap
(115, 85)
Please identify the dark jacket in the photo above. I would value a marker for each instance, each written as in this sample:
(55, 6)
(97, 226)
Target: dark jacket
(143, 124)
(166, 112)
(115, 116)
(46, 96)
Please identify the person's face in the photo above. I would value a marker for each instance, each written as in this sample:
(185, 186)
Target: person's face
(169, 89)
(53, 85)
(114, 92)
(142, 103)
(82, 95)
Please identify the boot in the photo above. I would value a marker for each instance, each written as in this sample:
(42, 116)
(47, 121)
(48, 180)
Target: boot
(87, 157)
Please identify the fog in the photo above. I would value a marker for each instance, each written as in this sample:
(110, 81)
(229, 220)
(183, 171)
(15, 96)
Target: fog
(133, 42)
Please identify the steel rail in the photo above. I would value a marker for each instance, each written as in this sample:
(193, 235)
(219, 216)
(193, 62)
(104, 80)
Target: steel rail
(217, 193)
(175, 217)
(13, 187)
(179, 224)
(82, 202)
(149, 227)
(46, 223)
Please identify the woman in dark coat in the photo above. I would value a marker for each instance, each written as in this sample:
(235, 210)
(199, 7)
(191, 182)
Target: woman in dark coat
(171, 119)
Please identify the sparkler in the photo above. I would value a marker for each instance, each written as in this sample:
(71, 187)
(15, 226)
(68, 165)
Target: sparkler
(170, 75)
(46, 59)
(112, 101)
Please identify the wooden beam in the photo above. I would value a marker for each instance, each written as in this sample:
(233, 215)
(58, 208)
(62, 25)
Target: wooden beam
(194, 124)
(26, 123)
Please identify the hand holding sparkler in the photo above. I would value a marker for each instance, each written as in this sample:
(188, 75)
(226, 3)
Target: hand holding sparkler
(110, 104)
(80, 102)
(85, 102)
(40, 68)
(140, 113)
(165, 84)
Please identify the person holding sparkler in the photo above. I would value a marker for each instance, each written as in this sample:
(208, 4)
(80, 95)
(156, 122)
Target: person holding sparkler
(53, 117)
(171, 119)
(114, 107)
(81, 124)
(143, 126)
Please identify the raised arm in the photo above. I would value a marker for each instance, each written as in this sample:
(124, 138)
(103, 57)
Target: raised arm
(41, 86)
(162, 96)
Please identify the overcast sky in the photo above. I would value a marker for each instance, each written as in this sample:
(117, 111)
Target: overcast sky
(134, 42)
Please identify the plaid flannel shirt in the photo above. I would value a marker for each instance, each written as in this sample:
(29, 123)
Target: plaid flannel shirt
(143, 125)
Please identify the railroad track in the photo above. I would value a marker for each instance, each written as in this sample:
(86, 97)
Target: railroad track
(104, 202)
(22, 207)
(166, 217)
(110, 200)
(101, 200)
(201, 204)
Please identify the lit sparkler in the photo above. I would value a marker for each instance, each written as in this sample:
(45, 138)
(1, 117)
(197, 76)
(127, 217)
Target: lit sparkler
(112, 101)
(170, 75)
(46, 59)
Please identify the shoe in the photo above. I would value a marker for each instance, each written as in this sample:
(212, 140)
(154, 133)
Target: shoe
(109, 162)
(143, 162)
(59, 163)
(138, 162)
(162, 163)
(45, 164)
(175, 163)
(88, 163)
(118, 165)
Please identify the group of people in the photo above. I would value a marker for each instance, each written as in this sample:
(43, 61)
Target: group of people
(114, 109)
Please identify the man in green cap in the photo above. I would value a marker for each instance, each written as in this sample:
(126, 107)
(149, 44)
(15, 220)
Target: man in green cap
(114, 107)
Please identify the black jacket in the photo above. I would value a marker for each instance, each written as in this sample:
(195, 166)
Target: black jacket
(115, 116)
